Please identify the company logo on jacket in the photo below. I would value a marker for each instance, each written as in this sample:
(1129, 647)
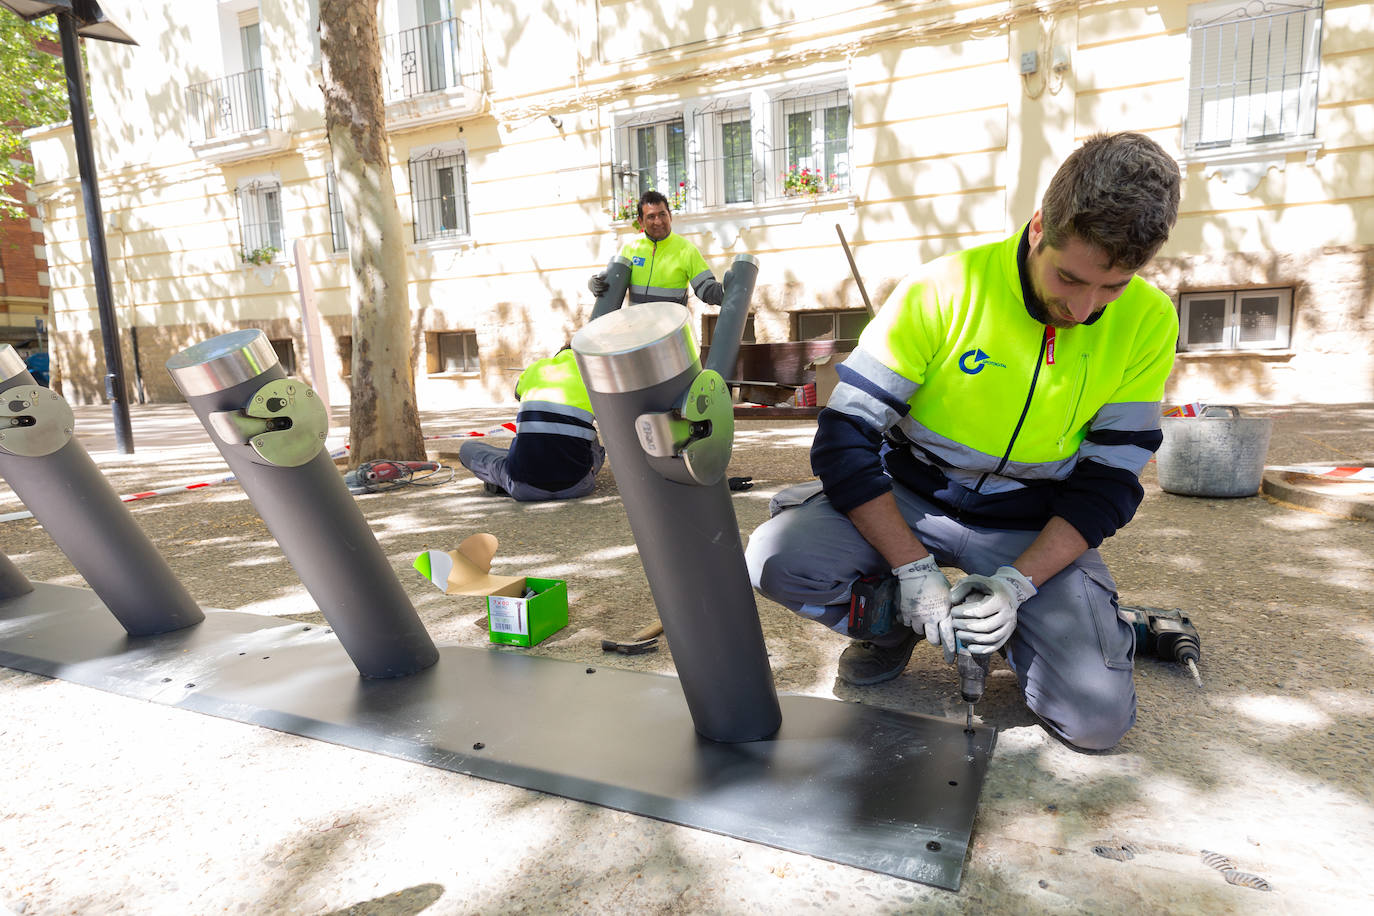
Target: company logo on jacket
(973, 361)
(638, 260)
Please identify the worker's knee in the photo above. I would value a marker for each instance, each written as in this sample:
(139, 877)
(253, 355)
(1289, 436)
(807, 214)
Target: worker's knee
(1092, 719)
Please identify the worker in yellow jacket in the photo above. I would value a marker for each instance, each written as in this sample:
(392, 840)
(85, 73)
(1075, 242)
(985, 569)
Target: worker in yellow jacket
(662, 265)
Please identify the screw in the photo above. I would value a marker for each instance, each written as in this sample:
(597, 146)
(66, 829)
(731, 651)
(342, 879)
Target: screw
(933, 846)
(477, 745)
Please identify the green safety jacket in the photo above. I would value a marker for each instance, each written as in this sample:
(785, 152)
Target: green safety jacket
(958, 392)
(662, 271)
(554, 433)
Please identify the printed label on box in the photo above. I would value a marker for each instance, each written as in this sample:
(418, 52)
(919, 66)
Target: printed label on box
(508, 615)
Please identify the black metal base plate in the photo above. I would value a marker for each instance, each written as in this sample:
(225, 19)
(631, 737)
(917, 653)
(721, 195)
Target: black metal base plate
(881, 790)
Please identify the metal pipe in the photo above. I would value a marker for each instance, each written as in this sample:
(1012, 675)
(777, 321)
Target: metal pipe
(115, 388)
(734, 312)
(617, 284)
(60, 484)
(13, 583)
(667, 426)
(271, 431)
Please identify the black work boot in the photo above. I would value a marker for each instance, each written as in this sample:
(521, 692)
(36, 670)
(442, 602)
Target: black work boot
(865, 663)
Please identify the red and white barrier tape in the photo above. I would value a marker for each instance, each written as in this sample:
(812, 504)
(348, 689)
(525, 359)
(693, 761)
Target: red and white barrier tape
(16, 516)
(1326, 472)
(337, 453)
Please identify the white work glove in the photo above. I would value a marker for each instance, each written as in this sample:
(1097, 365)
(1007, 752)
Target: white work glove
(985, 608)
(925, 601)
(597, 284)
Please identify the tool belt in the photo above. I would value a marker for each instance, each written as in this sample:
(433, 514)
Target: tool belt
(873, 606)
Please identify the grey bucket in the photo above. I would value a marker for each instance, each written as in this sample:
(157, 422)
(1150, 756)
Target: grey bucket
(1219, 453)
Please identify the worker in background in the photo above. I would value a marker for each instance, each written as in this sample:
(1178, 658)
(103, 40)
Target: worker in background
(662, 265)
(995, 418)
(555, 453)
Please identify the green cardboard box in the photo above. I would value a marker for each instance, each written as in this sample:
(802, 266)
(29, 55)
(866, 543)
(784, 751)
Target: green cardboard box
(528, 621)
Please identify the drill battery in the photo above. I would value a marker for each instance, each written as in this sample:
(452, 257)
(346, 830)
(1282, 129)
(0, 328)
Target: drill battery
(873, 606)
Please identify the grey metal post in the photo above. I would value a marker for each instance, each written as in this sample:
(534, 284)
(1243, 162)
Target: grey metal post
(734, 312)
(51, 472)
(271, 431)
(668, 427)
(13, 583)
(617, 284)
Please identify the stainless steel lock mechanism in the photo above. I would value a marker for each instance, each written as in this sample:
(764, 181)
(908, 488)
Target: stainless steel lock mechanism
(34, 421)
(691, 443)
(285, 423)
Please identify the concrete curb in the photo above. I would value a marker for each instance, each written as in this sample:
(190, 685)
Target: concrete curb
(1344, 499)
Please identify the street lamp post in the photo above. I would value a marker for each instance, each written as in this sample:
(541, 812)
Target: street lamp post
(85, 18)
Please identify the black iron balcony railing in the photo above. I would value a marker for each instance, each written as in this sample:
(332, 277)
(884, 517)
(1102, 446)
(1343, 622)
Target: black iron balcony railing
(432, 58)
(235, 104)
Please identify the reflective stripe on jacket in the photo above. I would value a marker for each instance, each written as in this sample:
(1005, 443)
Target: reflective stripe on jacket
(992, 414)
(663, 271)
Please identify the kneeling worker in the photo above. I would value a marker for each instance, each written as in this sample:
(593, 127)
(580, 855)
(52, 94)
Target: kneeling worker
(555, 453)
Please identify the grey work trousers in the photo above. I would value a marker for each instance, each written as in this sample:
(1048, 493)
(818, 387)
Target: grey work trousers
(1071, 653)
(488, 463)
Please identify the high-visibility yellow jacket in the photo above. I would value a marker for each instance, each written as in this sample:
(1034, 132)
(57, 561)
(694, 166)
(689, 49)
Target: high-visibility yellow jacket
(998, 418)
(552, 448)
(662, 271)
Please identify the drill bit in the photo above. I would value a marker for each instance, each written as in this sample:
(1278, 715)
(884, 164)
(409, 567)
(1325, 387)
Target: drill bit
(1192, 666)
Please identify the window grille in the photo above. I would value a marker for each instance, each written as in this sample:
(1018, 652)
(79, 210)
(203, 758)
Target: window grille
(1252, 73)
(1251, 319)
(338, 232)
(260, 226)
(438, 195)
(839, 324)
(453, 352)
(810, 149)
(656, 159)
(724, 166)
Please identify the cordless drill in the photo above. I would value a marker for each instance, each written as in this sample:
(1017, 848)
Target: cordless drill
(1166, 634)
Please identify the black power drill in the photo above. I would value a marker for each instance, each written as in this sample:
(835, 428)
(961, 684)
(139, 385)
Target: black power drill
(1166, 634)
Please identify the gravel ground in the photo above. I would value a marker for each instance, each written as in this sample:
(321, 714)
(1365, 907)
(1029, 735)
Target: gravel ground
(117, 805)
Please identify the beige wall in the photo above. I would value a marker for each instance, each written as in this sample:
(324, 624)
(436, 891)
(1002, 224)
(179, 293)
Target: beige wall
(951, 146)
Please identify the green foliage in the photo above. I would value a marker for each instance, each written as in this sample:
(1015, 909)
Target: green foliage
(259, 256)
(33, 91)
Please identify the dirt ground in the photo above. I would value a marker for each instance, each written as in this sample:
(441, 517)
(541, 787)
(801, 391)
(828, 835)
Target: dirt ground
(113, 805)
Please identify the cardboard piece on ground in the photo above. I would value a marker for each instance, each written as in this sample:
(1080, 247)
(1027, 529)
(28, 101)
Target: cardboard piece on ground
(466, 571)
(826, 376)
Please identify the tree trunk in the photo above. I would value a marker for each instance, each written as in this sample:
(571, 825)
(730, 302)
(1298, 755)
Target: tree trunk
(383, 419)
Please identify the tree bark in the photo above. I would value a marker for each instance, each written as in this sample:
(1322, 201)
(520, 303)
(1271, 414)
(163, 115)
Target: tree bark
(384, 421)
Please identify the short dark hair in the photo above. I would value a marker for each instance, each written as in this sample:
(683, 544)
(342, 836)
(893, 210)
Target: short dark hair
(652, 197)
(1118, 192)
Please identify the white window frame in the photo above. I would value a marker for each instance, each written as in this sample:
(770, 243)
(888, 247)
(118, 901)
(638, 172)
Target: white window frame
(338, 229)
(1276, 106)
(765, 108)
(1233, 302)
(427, 163)
(813, 98)
(261, 214)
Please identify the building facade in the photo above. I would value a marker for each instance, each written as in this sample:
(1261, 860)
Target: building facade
(521, 136)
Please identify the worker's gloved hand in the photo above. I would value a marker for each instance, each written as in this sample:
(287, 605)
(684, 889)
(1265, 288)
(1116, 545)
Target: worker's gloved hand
(597, 284)
(925, 601)
(985, 608)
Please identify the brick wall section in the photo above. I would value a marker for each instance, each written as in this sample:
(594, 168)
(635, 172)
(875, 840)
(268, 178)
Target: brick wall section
(18, 239)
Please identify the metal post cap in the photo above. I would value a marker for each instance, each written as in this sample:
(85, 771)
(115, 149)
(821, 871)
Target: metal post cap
(222, 362)
(11, 363)
(635, 348)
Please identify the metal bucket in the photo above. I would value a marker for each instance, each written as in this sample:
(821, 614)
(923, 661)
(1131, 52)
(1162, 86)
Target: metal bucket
(1219, 453)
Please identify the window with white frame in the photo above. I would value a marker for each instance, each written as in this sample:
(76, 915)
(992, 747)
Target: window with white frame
(1247, 319)
(1252, 76)
(439, 194)
(260, 227)
(338, 231)
(723, 164)
(452, 352)
(748, 148)
(810, 142)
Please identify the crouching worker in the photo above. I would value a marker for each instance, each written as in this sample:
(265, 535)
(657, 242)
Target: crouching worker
(994, 418)
(555, 453)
